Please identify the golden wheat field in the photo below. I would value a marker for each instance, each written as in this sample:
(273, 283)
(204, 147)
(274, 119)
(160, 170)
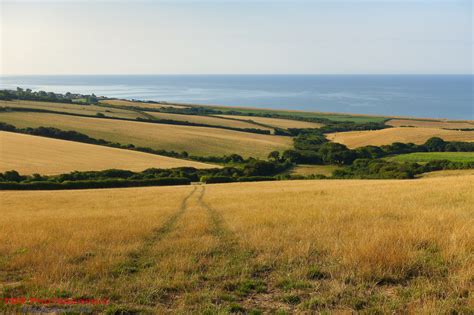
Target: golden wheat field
(385, 246)
(275, 122)
(430, 123)
(208, 120)
(355, 139)
(90, 110)
(194, 140)
(31, 154)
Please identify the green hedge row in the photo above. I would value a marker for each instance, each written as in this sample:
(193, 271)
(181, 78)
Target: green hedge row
(86, 184)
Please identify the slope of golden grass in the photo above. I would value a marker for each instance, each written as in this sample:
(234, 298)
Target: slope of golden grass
(447, 173)
(384, 246)
(276, 122)
(90, 110)
(208, 120)
(31, 154)
(430, 123)
(195, 140)
(355, 139)
(118, 102)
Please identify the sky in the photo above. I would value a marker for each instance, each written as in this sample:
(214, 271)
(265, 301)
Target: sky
(236, 37)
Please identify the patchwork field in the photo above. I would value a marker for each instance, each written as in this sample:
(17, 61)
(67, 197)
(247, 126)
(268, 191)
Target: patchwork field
(31, 154)
(331, 116)
(194, 140)
(90, 110)
(276, 122)
(300, 246)
(355, 139)
(137, 104)
(431, 156)
(208, 120)
(430, 123)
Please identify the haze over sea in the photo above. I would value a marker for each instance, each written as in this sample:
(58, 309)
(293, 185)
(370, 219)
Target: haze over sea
(428, 96)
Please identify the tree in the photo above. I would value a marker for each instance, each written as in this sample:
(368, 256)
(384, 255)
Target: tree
(274, 155)
(336, 153)
(435, 144)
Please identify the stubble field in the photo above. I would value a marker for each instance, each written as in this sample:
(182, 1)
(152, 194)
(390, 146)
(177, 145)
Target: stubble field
(355, 139)
(31, 154)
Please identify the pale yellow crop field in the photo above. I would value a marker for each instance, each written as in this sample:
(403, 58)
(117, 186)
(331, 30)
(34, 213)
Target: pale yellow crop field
(32, 154)
(431, 123)
(90, 110)
(208, 120)
(194, 140)
(276, 122)
(339, 246)
(355, 139)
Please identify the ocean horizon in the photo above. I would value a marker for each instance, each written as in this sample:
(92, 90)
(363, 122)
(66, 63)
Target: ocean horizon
(425, 96)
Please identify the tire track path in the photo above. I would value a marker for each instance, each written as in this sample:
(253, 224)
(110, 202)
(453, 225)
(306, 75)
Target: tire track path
(135, 260)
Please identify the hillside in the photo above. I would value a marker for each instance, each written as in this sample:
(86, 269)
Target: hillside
(194, 140)
(299, 246)
(355, 139)
(31, 154)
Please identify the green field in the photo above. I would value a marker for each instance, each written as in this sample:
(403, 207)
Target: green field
(287, 113)
(431, 156)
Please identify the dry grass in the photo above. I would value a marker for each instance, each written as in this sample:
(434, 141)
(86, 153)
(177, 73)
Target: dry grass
(195, 140)
(447, 173)
(430, 123)
(355, 139)
(208, 120)
(301, 246)
(276, 122)
(90, 110)
(31, 154)
(118, 102)
(306, 170)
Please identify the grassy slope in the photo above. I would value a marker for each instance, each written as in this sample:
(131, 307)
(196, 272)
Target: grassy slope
(430, 123)
(208, 120)
(431, 156)
(31, 154)
(306, 170)
(90, 110)
(331, 116)
(300, 246)
(276, 122)
(447, 173)
(137, 104)
(354, 139)
(195, 140)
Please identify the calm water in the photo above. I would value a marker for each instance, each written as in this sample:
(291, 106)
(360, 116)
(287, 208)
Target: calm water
(441, 96)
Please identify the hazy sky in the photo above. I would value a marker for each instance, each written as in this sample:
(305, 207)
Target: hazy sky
(191, 37)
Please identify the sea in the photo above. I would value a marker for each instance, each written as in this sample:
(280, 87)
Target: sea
(426, 96)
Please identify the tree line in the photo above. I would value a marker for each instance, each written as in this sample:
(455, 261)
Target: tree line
(29, 95)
